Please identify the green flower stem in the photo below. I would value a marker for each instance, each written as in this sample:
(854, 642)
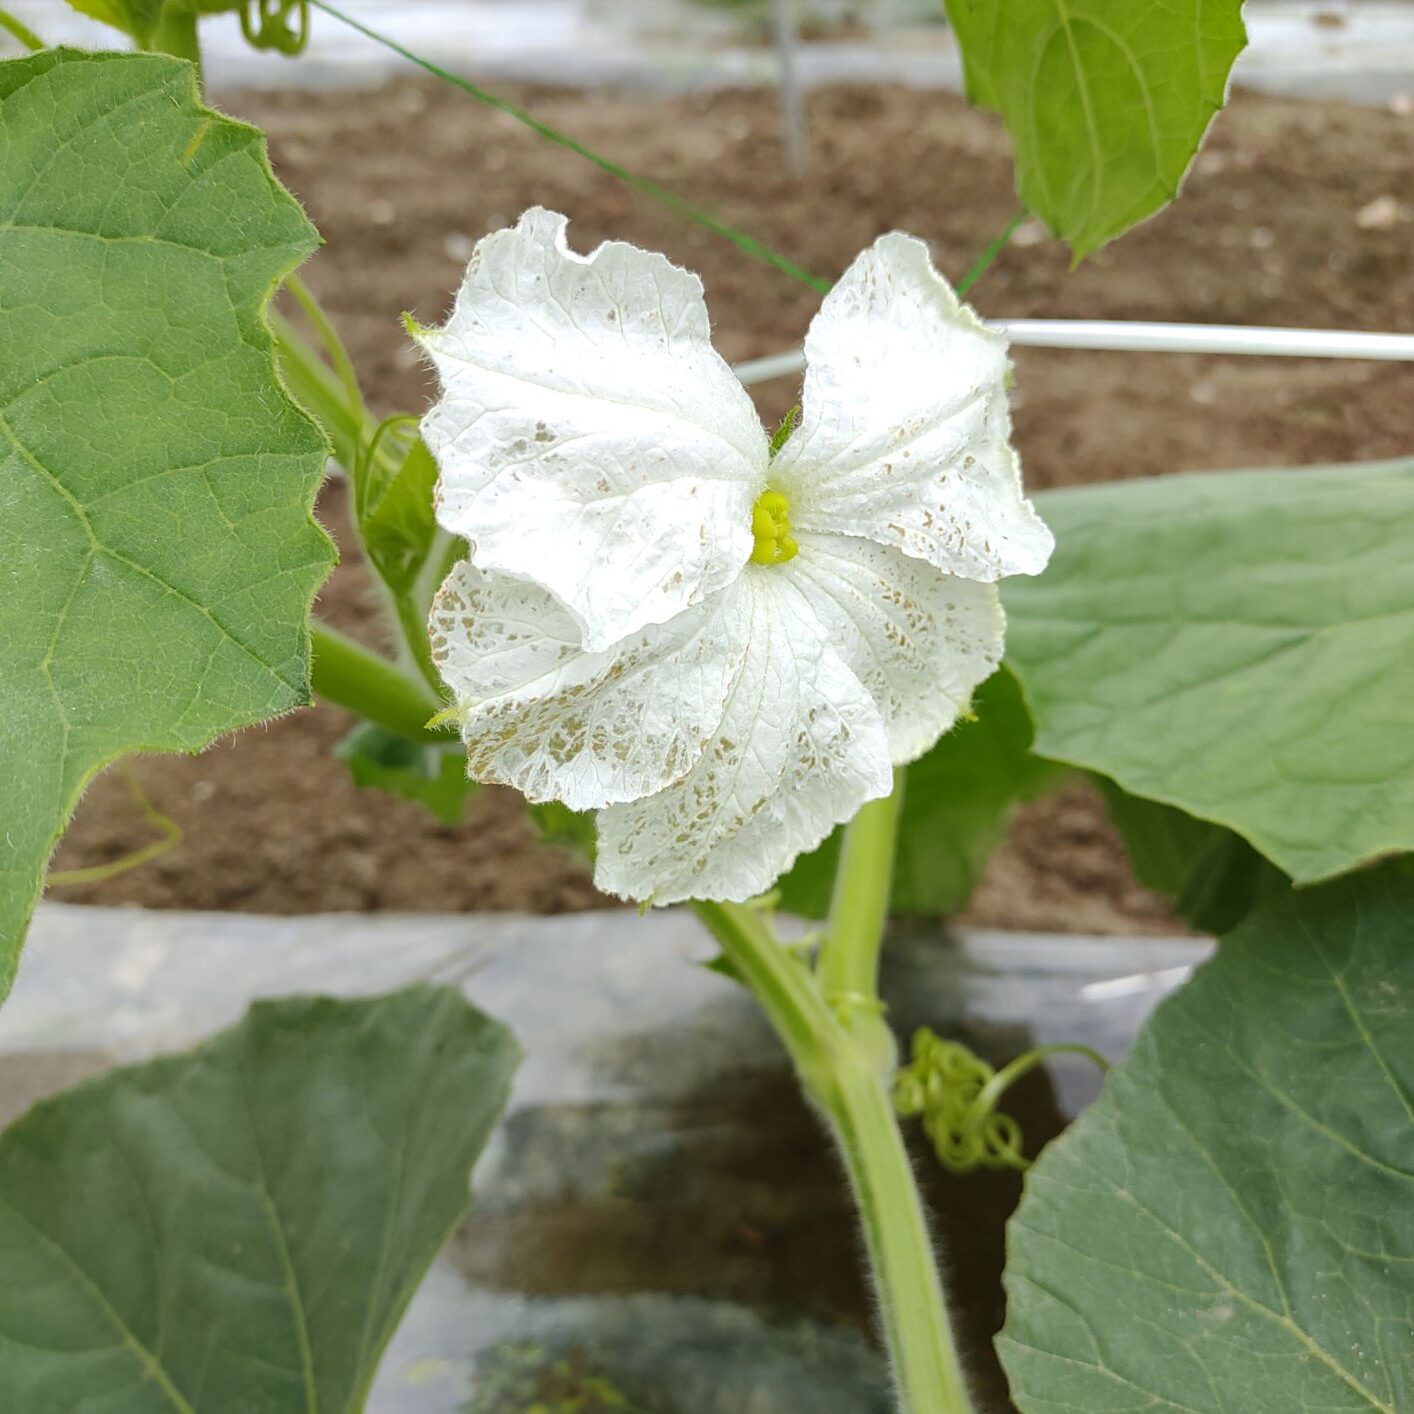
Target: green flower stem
(346, 673)
(917, 1329)
(839, 1072)
(176, 34)
(859, 907)
(21, 31)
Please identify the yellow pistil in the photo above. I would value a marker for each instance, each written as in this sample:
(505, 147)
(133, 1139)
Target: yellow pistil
(770, 524)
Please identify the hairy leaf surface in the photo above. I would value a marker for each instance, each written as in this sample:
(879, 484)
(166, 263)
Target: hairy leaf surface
(1228, 1227)
(241, 1227)
(155, 480)
(1239, 645)
(433, 776)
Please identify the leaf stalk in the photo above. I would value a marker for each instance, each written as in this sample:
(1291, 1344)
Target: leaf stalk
(349, 675)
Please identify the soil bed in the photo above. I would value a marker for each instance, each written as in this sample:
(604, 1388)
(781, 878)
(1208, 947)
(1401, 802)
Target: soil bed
(1281, 222)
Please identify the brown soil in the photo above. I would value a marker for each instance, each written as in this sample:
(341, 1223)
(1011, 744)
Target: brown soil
(400, 182)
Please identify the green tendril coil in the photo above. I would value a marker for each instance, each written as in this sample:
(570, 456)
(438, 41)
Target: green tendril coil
(266, 25)
(957, 1092)
(943, 1083)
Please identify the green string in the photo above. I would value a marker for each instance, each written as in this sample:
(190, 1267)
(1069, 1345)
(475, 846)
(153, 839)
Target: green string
(654, 190)
(666, 197)
(984, 261)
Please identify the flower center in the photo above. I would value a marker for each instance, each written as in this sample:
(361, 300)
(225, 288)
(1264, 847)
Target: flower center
(770, 524)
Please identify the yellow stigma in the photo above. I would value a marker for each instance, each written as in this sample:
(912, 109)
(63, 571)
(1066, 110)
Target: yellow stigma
(770, 524)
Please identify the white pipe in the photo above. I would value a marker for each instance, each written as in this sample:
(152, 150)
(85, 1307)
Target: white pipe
(1138, 337)
(1133, 336)
(796, 139)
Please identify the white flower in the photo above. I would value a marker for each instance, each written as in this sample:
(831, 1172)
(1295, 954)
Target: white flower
(722, 653)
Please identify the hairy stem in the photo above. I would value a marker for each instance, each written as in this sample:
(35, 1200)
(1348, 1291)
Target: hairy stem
(781, 982)
(839, 1072)
(346, 673)
(859, 907)
(917, 1328)
(176, 34)
(848, 966)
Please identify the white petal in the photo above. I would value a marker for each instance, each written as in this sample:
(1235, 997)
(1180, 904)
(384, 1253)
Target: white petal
(919, 640)
(904, 429)
(589, 729)
(800, 748)
(589, 437)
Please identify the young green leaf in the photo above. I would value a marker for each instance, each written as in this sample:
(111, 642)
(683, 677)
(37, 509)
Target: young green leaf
(155, 480)
(1228, 1227)
(394, 483)
(956, 804)
(431, 775)
(242, 1227)
(557, 824)
(1106, 100)
(1239, 645)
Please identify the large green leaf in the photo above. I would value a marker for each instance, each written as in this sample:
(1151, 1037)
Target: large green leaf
(1214, 876)
(1229, 1227)
(1239, 645)
(1106, 100)
(241, 1228)
(155, 481)
(956, 804)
